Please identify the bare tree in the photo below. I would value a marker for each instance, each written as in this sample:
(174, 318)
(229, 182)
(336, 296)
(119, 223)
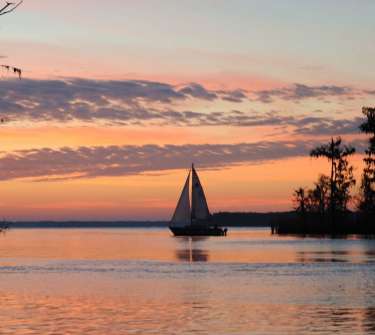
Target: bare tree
(7, 8)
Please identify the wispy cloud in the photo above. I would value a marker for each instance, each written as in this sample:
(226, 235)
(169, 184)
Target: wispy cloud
(135, 102)
(91, 100)
(52, 93)
(327, 126)
(299, 91)
(370, 92)
(91, 162)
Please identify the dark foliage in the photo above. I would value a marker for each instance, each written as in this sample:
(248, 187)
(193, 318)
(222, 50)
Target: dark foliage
(341, 179)
(367, 195)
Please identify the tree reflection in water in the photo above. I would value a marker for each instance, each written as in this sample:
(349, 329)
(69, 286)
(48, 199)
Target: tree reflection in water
(369, 320)
(323, 256)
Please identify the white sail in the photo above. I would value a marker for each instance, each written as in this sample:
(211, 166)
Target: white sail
(199, 208)
(182, 215)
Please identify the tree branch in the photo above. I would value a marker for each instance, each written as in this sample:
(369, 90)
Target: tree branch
(15, 70)
(6, 9)
(9, 7)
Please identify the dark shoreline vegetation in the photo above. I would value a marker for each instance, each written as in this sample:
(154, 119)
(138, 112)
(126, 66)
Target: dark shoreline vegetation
(323, 210)
(350, 224)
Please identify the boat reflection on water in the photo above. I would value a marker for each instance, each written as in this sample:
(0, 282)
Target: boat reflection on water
(190, 251)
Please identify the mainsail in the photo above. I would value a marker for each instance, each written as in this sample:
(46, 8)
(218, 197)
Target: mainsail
(182, 216)
(199, 208)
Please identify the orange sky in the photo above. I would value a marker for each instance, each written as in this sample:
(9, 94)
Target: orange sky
(113, 108)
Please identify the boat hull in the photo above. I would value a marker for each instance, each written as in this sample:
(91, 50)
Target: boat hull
(198, 231)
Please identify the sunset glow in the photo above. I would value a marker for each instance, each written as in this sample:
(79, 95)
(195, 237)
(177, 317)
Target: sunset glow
(116, 103)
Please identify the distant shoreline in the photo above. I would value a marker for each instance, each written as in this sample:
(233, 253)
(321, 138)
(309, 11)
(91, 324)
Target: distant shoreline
(228, 219)
(86, 224)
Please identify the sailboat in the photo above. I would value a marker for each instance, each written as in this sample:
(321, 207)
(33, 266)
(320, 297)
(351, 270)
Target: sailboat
(194, 220)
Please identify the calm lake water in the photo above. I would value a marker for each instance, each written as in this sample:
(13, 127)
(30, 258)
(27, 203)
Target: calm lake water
(143, 281)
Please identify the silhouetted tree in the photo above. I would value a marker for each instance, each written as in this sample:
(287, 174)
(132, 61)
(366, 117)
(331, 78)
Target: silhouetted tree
(319, 196)
(367, 196)
(341, 179)
(300, 200)
(7, 8)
